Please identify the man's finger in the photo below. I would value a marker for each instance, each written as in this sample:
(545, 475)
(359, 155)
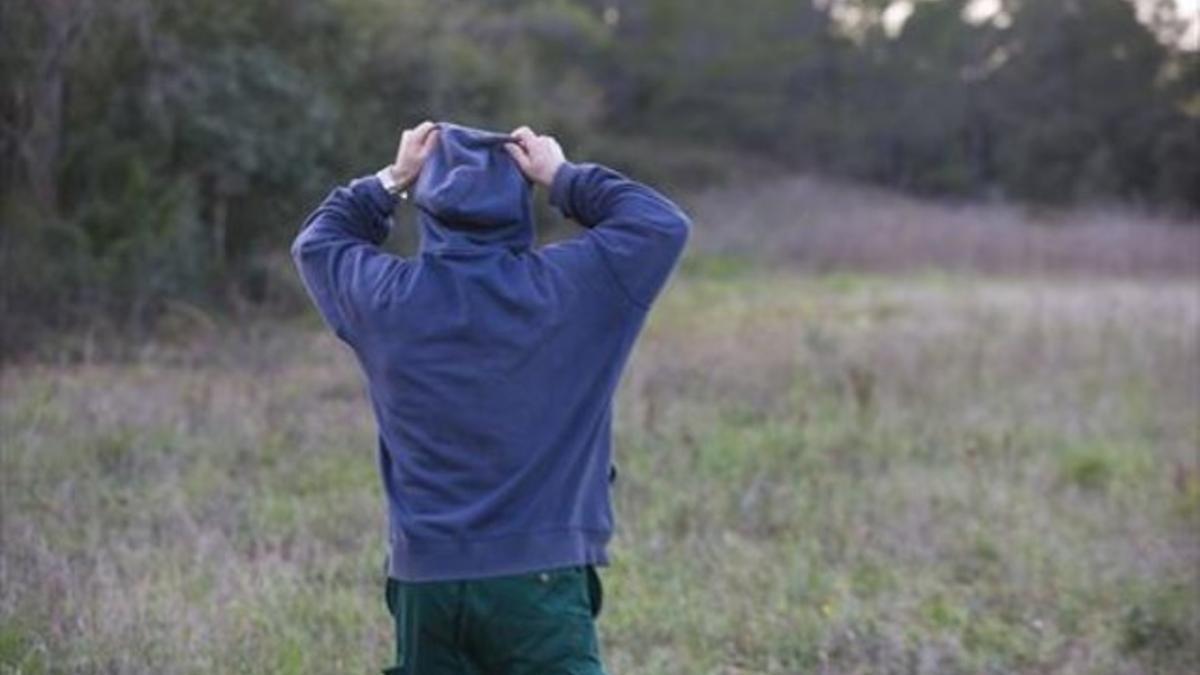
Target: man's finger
(524, 135)
(430, 141)
(517, 152)
(416, 135)
(422, 129)
(518, 155)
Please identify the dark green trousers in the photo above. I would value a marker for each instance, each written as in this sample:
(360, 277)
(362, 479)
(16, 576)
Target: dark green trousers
(541, 622)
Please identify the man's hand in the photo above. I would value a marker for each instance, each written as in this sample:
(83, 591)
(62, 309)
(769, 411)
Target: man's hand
(415, 146)
(538, 156)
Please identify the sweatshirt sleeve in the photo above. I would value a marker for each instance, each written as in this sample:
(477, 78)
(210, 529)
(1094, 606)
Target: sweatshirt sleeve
(637, 234)
(337, 253)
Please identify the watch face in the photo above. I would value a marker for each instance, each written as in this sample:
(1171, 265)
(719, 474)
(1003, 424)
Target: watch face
(387, 179)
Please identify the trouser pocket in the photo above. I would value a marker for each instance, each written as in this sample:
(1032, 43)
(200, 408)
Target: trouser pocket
(536, 623)
(389, 596)
(595, 590)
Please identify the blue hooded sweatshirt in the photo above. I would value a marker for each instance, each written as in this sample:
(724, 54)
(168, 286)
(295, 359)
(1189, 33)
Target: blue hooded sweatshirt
(491, 364)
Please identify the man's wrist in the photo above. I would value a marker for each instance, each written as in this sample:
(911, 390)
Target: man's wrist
(393, 181)
(548, 179)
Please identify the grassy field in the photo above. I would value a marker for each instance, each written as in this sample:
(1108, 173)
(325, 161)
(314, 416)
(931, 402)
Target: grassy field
(839, 474)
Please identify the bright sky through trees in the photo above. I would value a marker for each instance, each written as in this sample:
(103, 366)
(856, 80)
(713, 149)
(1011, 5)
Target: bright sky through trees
(979, 11)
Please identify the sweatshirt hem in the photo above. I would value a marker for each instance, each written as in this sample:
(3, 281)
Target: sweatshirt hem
(414, 560)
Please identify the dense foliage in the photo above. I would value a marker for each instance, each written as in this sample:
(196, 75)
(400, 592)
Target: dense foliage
(150, 147)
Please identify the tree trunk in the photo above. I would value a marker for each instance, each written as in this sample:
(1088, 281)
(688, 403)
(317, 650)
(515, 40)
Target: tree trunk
(39, 134)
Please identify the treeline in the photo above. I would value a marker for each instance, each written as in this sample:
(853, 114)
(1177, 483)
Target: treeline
(151, 148)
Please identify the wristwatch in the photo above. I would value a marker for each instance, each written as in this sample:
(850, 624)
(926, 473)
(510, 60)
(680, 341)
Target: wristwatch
(388, 180)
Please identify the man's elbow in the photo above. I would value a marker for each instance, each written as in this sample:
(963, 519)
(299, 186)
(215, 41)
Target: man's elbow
(302, 245)
(306, 254)
(297, 247)
(309, 239)
(678, 228)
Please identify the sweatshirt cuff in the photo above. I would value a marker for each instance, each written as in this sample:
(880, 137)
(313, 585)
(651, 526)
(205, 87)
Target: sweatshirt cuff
(382, 202)
(369, 192)
(560, 188)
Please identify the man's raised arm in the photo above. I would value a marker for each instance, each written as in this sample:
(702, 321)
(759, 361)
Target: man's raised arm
(637, 233)
(337, 250)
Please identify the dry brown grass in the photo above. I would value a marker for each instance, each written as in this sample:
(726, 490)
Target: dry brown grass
(822, 226)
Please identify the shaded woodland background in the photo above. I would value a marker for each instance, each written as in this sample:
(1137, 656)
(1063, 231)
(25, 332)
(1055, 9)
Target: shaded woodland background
(154, 150)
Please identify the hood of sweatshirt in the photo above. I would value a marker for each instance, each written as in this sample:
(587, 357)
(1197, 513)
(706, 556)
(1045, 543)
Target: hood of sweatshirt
(471, 196)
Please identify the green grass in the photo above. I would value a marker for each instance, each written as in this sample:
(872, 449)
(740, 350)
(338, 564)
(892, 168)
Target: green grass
(845, 474)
